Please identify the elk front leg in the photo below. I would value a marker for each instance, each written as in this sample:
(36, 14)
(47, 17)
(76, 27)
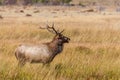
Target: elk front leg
(21, 62)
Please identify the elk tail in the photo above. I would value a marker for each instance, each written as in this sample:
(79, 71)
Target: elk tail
(16, 54)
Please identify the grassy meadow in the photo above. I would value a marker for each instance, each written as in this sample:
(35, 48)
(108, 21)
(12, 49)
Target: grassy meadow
(92, 54)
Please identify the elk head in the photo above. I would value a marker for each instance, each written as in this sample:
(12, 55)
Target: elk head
(58, 34)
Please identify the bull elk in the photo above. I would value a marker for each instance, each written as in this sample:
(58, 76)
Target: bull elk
(44, 52)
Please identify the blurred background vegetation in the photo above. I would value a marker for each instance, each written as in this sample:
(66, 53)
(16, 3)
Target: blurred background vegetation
(26, 2)
(62, 2)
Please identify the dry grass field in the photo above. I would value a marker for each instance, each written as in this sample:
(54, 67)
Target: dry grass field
(92, 54)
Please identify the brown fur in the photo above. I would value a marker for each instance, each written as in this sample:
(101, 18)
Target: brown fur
(44, 53)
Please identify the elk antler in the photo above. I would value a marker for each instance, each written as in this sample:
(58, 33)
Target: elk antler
(61, 31)
(50, 29)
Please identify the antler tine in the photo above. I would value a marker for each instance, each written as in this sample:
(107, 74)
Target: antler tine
(50, 29)
(41, 27)
(54, 29)
(62, 31)
(47, 26)
(53, 25)
(59, 32)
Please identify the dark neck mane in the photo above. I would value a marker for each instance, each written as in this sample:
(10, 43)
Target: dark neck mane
(55, 46)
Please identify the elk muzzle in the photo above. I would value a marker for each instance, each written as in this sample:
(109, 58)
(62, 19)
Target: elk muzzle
(66, 39)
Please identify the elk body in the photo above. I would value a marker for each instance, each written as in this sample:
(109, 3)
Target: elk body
(44, 52)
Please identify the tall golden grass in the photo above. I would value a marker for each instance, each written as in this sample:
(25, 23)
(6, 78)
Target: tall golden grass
(92, 54)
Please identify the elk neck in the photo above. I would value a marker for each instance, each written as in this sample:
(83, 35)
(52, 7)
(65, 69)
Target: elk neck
(55, 46)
